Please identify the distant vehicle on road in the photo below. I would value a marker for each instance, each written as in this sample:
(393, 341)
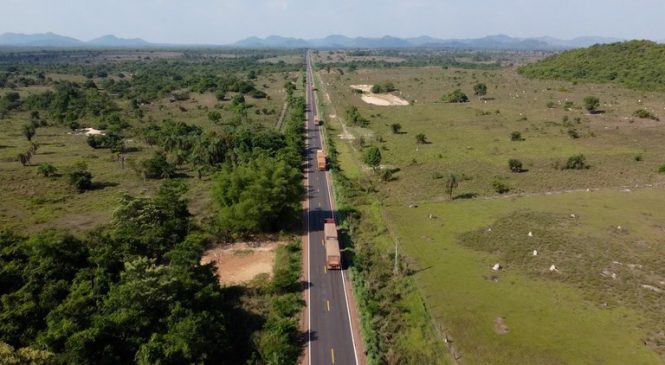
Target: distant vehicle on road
(321, 163)
(333, 255)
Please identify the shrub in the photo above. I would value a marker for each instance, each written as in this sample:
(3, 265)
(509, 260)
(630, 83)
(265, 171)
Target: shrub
(157, 167)
(480, 89)
(79, 177)
(638, 157)
(661, 169)
(29, 131)
(515, 165)
(551, 104)
(354, 117)
(46, 169)
(456, 96)
(645, 114)
(516, 136)
(572, 133)
(500, 187)
(591, 103)
(576, 162)
(372, 156)
(421, 138)
(396, 128)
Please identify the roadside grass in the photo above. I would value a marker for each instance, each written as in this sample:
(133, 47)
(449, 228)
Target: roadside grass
(473, 140)
(577, 315)
(420, 341)
(574, 316)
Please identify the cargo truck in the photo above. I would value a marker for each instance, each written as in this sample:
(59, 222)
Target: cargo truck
(320, 160)
(333, 255)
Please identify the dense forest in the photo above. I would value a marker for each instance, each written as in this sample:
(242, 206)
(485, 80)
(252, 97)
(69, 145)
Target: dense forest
(636, 64)
(133, 290)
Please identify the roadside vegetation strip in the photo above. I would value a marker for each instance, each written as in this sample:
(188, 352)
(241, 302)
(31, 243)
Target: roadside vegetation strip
(394, 322)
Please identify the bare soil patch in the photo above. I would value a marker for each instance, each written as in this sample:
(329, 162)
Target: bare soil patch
(241, 262)
(379, 99)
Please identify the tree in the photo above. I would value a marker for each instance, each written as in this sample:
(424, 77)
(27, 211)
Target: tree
(24, 158)
(29, 132)
(79, 177)
(591, 104)
(421, 138)
(480, 89)
(354, 116)
(372, 157)
(261, 195)
(456, 96)
(451, 183)
(396, 128)
(157, 167)
(377, 89)
(516, 136)
(46, 170)
(515, 165)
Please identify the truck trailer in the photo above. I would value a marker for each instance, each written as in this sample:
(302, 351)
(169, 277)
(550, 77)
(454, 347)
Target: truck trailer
(333, 255)
(321, 164)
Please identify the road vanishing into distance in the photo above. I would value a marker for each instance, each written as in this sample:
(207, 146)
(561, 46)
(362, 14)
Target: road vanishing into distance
(331, 339)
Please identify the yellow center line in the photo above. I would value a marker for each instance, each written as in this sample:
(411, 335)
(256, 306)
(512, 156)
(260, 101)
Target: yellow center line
(332, 355)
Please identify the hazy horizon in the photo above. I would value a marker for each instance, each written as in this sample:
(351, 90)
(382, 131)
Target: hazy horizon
(224, 22)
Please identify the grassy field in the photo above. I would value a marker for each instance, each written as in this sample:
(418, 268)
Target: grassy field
(31, 202)
(523, 313)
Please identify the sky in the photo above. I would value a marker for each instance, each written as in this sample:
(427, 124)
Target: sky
(227, 21)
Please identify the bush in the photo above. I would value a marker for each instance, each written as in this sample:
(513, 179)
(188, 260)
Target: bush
(421, 138)
(515, 165)
(46, 169)
(572, 133)
(661, 169)
(480, 89)
(354, 117)
(396, 128)
(551, 104)
(372, 157)
(500, 187)
(645, 114)
(456, 96)
(516, 136)
(591, 103)
(576, 162)
(79, 177)
(157, 167)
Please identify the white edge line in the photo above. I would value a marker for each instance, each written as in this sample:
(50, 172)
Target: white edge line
(309, 265)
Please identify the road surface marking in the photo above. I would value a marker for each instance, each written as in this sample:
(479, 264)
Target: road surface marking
(332, 355)
(325, 269)
(323, 243)
(319, 204)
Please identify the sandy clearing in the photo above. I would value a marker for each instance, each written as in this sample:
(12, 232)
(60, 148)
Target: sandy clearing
(379, 99)
(91, 132)
(240, 262)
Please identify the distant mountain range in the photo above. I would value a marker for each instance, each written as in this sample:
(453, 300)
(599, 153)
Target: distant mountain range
(490, 42)
(502, 42)
(56, 40)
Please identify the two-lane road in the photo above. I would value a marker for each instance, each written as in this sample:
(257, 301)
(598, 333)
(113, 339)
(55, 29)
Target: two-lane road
(331, 338)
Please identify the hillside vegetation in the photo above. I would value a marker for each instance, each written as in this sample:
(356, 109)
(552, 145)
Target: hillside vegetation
(635, 64)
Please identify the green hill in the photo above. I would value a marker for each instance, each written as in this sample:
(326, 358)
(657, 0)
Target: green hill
(634, 64)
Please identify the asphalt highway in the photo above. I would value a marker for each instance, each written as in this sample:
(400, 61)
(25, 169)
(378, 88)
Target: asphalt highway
(330, 334)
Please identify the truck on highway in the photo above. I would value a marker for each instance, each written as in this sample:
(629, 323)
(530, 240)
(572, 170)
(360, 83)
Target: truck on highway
(321, 164)
(333, 255)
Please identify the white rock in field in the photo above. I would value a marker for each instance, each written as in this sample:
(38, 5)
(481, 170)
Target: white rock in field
(496, 267)
(618, 228)
(535, 252)
(489, 229)
(553, 268)
(530, 234)
(573, 216)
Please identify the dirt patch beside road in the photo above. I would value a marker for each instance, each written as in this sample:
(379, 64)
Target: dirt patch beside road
(240, 262)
